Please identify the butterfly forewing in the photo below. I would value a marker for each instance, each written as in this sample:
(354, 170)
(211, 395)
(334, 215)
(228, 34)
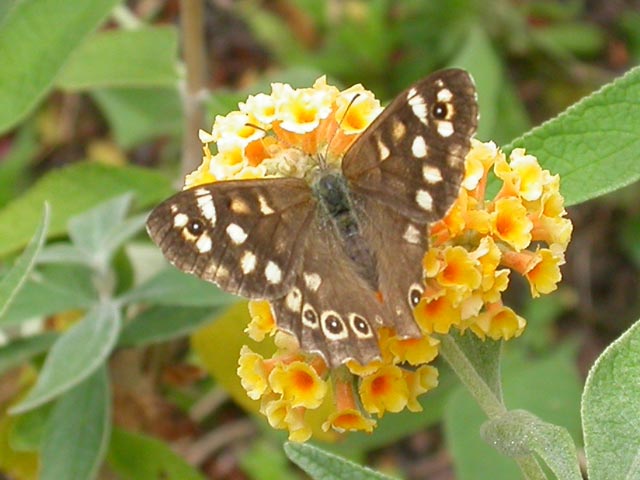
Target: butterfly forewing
(411, 158)
(246, 236)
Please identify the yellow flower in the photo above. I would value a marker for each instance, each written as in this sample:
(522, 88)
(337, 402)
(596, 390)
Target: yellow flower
(262, 321)
(252, 373)
(511, 223)
(437, 315)
(384, 390)
(347, 417)
(545, 275)
(498, 323)
(298, 384)
(420, 381)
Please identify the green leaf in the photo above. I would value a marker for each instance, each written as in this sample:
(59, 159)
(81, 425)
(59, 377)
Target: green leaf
(21, 350)
(159, 324)
(36, 39)
(52, 289)
(321, 465)
(77, 431)
(107, 60)
(550, 388)
(611, 409)
(263, 461)
(15, 279)
(594, 144)
(137, 115)
(138, 457)
(172, 287)
(99, 232)
(72, 190)
(517, 433)
(78, 353)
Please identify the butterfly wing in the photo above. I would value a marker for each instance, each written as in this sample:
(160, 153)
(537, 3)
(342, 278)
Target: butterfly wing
(246, 236)
(404, 172)
(411, 158)
(331, 309)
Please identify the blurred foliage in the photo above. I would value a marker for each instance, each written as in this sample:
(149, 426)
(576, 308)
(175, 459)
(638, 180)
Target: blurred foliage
(92, 320)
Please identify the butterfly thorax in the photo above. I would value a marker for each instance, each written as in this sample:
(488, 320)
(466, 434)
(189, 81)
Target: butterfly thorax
(339, 212)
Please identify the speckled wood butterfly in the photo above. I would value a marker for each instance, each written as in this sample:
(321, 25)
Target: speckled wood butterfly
(338, 254)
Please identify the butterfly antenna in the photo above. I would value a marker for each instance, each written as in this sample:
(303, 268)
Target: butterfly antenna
(344, 115)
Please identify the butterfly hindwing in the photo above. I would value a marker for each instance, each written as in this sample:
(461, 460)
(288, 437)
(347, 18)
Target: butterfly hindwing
(246, 236)
(331, 309)
(411, 158)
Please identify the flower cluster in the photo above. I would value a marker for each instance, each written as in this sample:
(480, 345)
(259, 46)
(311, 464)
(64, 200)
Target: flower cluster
(472, 253)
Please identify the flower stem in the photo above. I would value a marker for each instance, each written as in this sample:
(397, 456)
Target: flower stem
(192, 30)
(488, 401)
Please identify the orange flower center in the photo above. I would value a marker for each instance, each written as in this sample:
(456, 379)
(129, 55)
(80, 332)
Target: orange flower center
(303, 381)
(380, 386)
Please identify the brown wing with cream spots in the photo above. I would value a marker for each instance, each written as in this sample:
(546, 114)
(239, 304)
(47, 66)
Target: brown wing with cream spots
(411, 158)
(331, 310)
(237, 234)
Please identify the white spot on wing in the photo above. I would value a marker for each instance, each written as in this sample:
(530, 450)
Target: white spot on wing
(204, 243)
(445, 128)
(419, 147)
(265, 208)
(412, 234)
(418, 106)
(248, 262)
(398, 130)
(238, 205)
(273, 273)
(312, 281)
(207, 208)
(431, 174)
(383, 150)
(444, 95)
(293, 300)
(425, 200)
(236, 234)
(180, 220)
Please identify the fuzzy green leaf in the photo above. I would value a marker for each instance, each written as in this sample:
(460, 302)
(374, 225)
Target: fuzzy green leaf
(21, 350)
(321, 465)
(107, 60)
(77, 432)
(15, 279)
(594, 144)
(518, 432)
(611, 410)
(76, 355)
(36, 39)
(139, 457)
(73, 190)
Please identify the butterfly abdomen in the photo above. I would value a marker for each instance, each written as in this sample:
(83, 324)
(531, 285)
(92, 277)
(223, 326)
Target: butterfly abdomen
(332, 193)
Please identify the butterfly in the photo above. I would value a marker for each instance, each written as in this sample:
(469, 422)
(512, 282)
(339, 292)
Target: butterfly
(338, 256)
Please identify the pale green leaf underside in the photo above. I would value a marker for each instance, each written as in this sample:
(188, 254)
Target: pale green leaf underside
(321, 465)
(611, 410)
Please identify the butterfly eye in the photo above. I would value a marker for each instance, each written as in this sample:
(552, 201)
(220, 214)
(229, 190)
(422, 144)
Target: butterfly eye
(440, 110)
(195, 227)
(415, 295)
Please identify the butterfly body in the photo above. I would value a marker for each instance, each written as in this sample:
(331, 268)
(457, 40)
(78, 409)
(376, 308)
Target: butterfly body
(340, 256)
